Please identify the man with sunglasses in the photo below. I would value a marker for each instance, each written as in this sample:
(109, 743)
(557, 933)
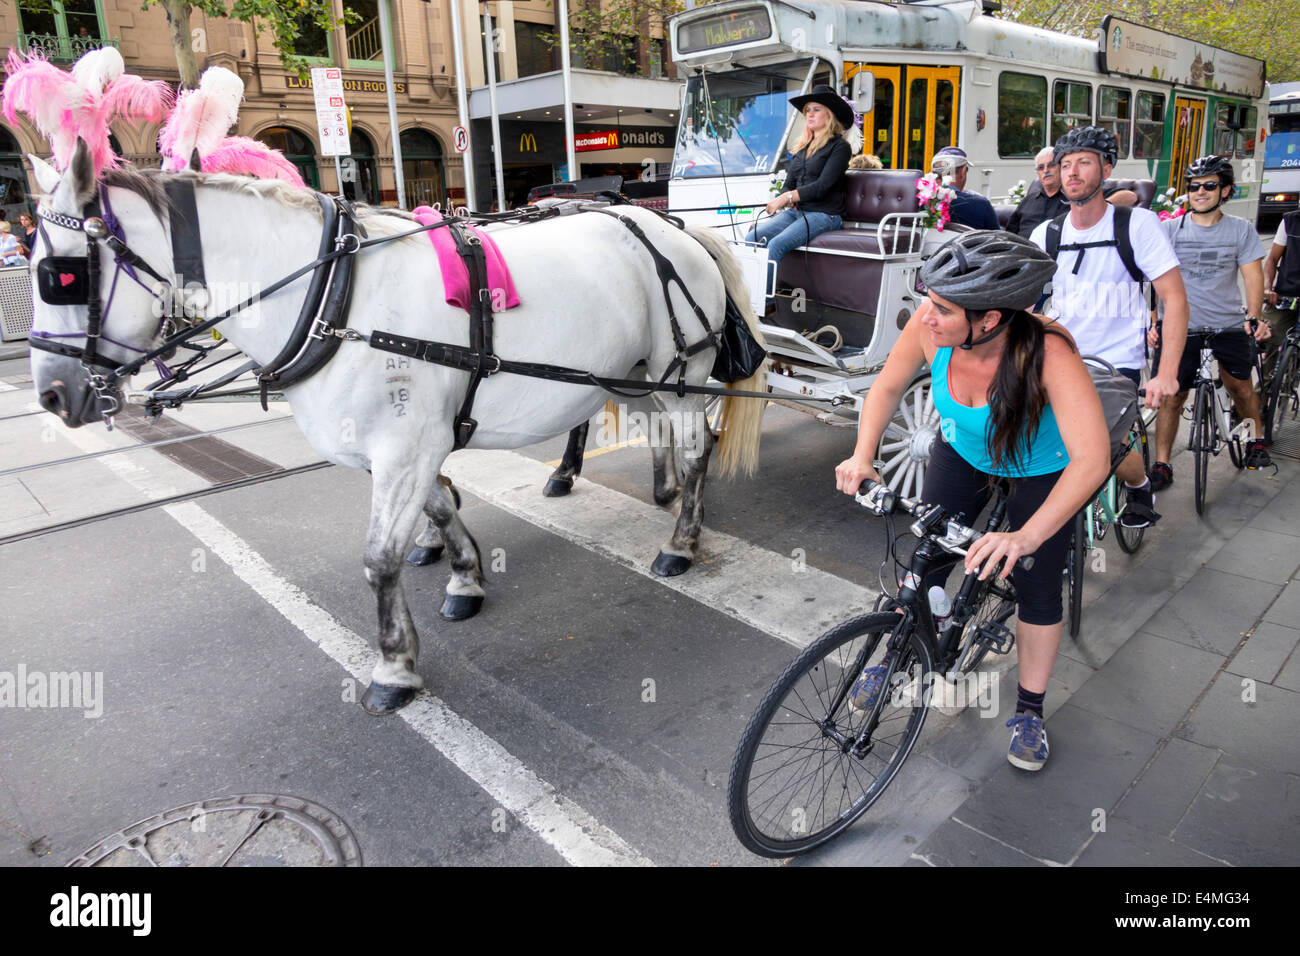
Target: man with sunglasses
(1212, 248)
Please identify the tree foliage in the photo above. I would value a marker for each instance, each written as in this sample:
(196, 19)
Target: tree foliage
(1259, 28)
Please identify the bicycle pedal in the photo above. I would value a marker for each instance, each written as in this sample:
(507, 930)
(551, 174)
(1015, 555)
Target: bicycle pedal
(996, 637)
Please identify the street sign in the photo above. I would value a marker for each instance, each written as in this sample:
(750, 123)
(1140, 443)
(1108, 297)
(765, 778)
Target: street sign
(460, 139)
(331, 111)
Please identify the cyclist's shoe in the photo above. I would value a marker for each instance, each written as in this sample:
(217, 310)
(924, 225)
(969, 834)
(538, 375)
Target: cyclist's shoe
(1256, 454)
(1028, 749)
(1140, 508)
(865, 690)
(1161, 476)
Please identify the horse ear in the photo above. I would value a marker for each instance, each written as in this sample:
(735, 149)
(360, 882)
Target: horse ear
(196, 164)
(47, 177)
(80, 176)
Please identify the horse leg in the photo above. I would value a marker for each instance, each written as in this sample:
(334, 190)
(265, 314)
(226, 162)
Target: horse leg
(395, 509)
(668, 487)
(694, 445)
(465, 589)
(429, 542)
(561, 481)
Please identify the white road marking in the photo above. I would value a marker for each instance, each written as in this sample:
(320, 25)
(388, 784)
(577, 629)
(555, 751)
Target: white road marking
(752, 584)
(569, 829)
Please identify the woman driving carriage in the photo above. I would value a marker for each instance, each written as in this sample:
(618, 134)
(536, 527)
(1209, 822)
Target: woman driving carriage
(815, 187)
(1006, 383)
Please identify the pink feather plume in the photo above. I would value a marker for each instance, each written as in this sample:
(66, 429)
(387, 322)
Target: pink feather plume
(247, 157)
(48, 96)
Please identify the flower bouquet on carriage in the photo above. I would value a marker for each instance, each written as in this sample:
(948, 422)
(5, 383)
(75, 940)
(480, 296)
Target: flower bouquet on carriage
(934, 200)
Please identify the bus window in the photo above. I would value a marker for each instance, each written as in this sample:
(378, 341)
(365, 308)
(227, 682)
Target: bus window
(943, 115)
(1150, 131)
(1113, 114)
(1022, 114)
(1071, 107)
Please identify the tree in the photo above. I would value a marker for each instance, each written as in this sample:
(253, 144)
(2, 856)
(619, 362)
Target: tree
(284, 18)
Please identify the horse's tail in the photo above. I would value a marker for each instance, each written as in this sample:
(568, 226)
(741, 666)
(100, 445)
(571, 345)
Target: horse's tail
(740, 424)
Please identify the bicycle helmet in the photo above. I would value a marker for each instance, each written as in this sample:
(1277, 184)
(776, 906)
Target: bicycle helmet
(1219, 166)
(989, 269)
(1092, 139)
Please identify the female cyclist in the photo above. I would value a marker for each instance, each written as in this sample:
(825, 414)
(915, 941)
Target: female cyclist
(1016, 402)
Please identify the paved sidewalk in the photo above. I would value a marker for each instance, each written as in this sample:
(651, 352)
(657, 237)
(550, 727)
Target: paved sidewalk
(1177, 743)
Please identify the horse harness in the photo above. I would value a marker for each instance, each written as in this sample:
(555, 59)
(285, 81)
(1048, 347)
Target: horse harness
(322, 320)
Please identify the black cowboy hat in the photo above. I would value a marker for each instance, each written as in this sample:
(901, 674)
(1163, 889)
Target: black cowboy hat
(828, 98)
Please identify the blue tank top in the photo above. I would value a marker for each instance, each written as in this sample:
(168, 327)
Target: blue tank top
(965, 429)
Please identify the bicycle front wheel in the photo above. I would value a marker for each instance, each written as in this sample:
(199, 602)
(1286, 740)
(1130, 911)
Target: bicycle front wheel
(1282, 392)
(794, 782)
(1202, 444)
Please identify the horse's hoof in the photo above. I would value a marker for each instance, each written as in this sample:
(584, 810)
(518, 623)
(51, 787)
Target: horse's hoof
(670, 565)
(420, 556)
(558, 487)
(382, 699)
(457, 607)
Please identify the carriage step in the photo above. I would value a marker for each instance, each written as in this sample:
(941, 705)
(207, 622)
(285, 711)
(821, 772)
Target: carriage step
(996, 637)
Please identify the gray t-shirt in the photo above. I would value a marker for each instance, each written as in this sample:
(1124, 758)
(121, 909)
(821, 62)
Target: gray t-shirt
(1210, 258)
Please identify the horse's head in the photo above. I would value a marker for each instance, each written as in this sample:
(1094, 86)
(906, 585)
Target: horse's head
(79, 288)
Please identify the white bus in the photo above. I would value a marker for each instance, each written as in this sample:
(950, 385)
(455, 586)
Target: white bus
(1280, 186)
(934, 73)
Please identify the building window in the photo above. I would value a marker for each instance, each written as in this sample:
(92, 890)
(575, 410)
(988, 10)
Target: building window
(533, 54)
(1113, 113)
(422, 170)
(61, 29)
(13, 179)
(1022, 114)
(1149, 133)
(360, 177)
(620, 55)
(297, 147)
(656, 57)
(313, 43)
(365, 47)
(1071, 107)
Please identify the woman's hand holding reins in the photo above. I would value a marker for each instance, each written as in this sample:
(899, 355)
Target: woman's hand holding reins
(851, 473)
(983, 556)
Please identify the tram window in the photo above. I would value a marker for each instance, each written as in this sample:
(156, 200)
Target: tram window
(1246, 135)
(1113, 113)
(1071, 107)
(943, 115)
(916, 124)
(882, 122)
(1225, 123)
(1022, 112)
(1150, 131)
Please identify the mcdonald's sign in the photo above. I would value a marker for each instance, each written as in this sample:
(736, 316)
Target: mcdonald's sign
(527, 143)
(597, 139)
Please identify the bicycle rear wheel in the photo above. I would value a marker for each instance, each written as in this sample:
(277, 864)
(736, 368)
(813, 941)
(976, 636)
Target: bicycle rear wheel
(793, 786)
(1202, 444)
(1075, 561)
(1282, 392)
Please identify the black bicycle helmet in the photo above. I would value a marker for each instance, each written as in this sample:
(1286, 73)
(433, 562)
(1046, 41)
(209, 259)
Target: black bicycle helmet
(989, 269)
(1219, 166)
(1092, 139)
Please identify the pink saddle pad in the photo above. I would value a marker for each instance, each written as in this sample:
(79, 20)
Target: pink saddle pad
(455, 277)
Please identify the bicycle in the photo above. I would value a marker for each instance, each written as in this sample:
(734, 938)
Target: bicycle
(1212, 427)
(1283, 393)
(809, 764)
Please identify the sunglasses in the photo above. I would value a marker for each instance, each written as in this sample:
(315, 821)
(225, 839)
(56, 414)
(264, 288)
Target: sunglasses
(1197, 187)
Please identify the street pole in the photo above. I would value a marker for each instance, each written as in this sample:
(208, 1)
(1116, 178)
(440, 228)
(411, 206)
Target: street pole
(490, 48)
(338, 173)
(567, 72)
(462, 100)
(386, 38)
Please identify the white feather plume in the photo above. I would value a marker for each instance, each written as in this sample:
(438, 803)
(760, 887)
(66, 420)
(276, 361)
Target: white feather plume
(202, 117)
(96, 69)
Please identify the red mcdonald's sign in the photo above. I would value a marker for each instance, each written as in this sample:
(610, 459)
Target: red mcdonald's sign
(597, 139)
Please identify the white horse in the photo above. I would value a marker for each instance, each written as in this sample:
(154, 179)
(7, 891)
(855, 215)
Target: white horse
(590, 299)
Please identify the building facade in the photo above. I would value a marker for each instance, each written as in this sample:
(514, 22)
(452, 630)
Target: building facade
(279, 108)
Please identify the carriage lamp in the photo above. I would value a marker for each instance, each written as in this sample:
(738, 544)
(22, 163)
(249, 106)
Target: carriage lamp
(95, 228)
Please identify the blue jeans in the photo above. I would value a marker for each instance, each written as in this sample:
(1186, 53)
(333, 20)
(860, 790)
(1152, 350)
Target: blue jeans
(790, 229)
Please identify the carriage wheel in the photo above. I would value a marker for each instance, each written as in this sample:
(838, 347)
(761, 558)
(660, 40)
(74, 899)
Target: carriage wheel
(904, 449)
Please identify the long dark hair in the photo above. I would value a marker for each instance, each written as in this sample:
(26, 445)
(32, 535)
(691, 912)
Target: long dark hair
(1017, 395)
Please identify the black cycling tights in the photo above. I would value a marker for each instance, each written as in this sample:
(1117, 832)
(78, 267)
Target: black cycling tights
(950, 481)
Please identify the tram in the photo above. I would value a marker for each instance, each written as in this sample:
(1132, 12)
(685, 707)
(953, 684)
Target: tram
(1280, 185)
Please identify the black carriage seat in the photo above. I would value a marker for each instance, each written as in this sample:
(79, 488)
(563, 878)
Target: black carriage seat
(1145, 189)
(830, 271)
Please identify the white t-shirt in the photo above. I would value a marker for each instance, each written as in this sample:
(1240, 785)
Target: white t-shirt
(1100, 304)
(1280, 238)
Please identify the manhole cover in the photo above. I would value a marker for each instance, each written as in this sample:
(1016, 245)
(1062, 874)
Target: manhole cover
(257, 829)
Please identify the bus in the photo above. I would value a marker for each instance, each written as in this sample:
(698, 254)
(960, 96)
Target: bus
(934, 73)
(1280, 185)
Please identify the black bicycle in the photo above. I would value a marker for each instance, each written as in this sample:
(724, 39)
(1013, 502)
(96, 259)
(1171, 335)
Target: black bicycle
(1213, 428)
(822, 747)
(1282, 401)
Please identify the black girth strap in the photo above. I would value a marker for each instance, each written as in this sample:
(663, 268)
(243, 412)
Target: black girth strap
(187, 245)
(324, 311)
(470, 248)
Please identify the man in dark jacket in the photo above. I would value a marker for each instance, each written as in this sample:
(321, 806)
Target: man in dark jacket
(967, 209)
(1044, 200)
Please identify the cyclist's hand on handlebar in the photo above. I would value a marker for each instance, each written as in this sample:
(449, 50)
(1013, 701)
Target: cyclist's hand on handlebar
(851, 472)
(1153, 336)
(1159, 388)
(1261, 331)
(983, 556)
(1270, 297)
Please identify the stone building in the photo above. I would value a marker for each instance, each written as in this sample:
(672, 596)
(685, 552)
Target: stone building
(279, 108)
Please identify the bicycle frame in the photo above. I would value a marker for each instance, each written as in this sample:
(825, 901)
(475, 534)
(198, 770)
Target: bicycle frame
(1223, 432)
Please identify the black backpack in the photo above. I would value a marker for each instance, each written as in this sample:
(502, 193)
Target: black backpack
(1121, 241)
(1287, 282)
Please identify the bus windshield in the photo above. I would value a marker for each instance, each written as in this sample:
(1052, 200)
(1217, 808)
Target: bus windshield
(1282, 151)
(733, 122)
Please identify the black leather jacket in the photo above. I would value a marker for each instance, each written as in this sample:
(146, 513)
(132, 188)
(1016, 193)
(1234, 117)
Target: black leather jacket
(820, 178)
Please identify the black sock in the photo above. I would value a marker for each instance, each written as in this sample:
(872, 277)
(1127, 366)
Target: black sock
(1027, 702)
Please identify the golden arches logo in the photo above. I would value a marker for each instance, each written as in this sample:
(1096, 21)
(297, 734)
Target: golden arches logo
(527, 143)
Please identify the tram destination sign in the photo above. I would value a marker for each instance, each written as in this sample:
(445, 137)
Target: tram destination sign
(724, 29)
(1131, 49)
